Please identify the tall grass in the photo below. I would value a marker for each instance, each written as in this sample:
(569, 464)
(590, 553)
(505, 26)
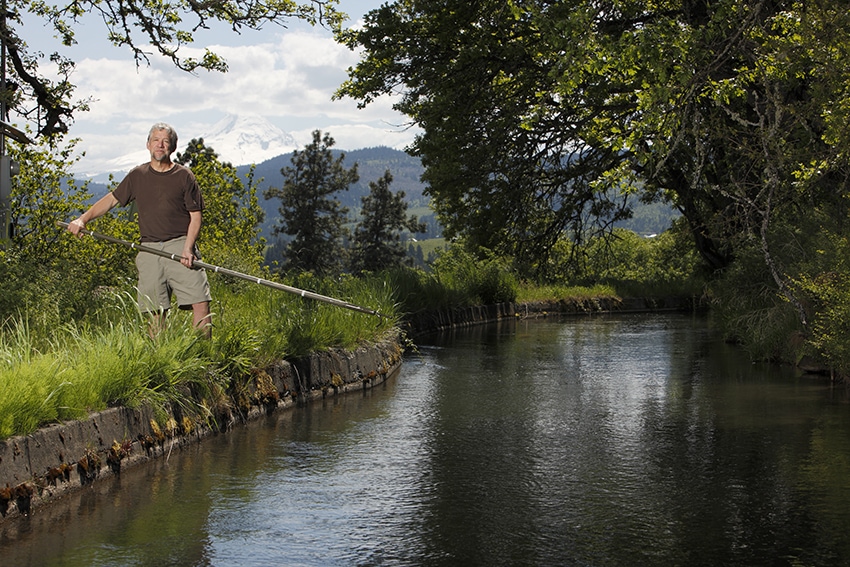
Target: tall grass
(458, 279)
(65, 370)
(287, 324)
(88, 368)
(528, 292)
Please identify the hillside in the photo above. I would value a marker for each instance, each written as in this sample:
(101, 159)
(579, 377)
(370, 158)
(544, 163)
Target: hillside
(371, 165)
(371, 162)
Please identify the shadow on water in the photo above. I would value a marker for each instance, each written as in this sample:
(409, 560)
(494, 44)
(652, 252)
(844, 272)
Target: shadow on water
(600, 441)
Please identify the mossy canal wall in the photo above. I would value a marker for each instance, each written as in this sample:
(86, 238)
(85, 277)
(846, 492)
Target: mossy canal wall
(39, 468)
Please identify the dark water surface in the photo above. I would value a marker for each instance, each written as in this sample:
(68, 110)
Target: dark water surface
(639, 440)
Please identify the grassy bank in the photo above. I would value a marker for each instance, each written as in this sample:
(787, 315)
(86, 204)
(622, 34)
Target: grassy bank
(52, 371)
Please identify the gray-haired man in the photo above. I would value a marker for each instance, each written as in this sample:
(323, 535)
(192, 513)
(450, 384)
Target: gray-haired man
(170, 206)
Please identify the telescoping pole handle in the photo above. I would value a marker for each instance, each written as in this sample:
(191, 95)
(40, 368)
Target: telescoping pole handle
(233, 273)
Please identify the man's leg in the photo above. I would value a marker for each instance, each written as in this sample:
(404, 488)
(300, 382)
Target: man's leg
(190, 287)
(157, 322)
(153, 294)
(201, 318)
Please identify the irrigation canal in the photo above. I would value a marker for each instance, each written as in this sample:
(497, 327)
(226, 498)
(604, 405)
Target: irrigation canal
(608, 440)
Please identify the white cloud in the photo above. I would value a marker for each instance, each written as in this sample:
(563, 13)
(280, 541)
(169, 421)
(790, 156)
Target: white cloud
(288, 76)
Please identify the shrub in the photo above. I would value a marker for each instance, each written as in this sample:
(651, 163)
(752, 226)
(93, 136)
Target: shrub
(748, 309)
(480, 279)
(665, 265)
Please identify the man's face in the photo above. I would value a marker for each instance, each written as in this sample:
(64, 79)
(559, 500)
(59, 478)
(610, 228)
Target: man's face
(159, 145)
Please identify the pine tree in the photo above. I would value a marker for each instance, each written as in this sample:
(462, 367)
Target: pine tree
(377, 238)
(309, 213)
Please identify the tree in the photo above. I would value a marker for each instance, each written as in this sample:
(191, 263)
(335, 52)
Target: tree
(40, 197)
(309, 214)
(164, 27)
(232, 214)
(546, 119)
(377, 239)
(43, 269)
(474, 77)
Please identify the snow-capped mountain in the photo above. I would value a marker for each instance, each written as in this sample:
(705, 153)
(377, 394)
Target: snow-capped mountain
(238, 139)
(247, 139)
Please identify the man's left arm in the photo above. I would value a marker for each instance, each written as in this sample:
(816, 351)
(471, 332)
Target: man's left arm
(195, 219)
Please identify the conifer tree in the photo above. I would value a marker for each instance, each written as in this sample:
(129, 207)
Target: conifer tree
(377, 238)
(309, 213)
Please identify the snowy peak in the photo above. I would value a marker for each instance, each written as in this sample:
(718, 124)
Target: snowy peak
(247, 139)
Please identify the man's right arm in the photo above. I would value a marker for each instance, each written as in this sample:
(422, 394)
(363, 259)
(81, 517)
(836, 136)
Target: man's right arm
(100, 208)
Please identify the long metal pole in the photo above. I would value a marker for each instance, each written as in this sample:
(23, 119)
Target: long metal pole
(235, 274)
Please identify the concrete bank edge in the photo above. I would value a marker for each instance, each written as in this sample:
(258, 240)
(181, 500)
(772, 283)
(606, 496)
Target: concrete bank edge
(433, 321)
(62, 458)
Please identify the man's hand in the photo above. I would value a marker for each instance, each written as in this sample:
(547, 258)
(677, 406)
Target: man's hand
(188, 256)
(76, 227)
(101, 207)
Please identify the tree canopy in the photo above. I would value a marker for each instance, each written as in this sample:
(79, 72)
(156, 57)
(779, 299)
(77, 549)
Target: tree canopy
(546, 119)
(47, 97)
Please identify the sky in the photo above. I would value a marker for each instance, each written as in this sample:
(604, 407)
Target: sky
(287, 75)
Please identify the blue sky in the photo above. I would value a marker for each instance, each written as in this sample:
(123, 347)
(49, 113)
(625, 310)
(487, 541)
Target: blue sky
(285, 75)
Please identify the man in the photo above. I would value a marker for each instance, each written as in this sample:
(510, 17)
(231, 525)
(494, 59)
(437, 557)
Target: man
(169, 204)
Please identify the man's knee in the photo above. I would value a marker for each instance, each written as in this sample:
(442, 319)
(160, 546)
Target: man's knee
(202, 317)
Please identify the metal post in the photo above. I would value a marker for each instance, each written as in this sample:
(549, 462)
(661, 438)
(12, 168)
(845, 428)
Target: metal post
(5, 180)
(4, 110)
(8, 166)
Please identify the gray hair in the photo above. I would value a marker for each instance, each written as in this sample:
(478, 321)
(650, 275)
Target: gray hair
(172, 134)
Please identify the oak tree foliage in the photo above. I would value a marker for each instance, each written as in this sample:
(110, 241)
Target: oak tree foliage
(39, 85)
(544, 119)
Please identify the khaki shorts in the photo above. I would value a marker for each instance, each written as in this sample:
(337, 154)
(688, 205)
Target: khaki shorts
(161, 277)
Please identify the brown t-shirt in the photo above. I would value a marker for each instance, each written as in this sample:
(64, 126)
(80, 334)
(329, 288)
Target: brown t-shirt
(164, 200)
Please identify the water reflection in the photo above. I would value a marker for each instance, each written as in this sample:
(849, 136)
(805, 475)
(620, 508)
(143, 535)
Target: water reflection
(603, 441)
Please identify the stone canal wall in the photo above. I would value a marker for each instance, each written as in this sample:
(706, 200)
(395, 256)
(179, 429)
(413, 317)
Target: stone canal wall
(37, 469)
(465, 316)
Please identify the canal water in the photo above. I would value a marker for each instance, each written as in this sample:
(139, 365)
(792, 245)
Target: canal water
(627, 440)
